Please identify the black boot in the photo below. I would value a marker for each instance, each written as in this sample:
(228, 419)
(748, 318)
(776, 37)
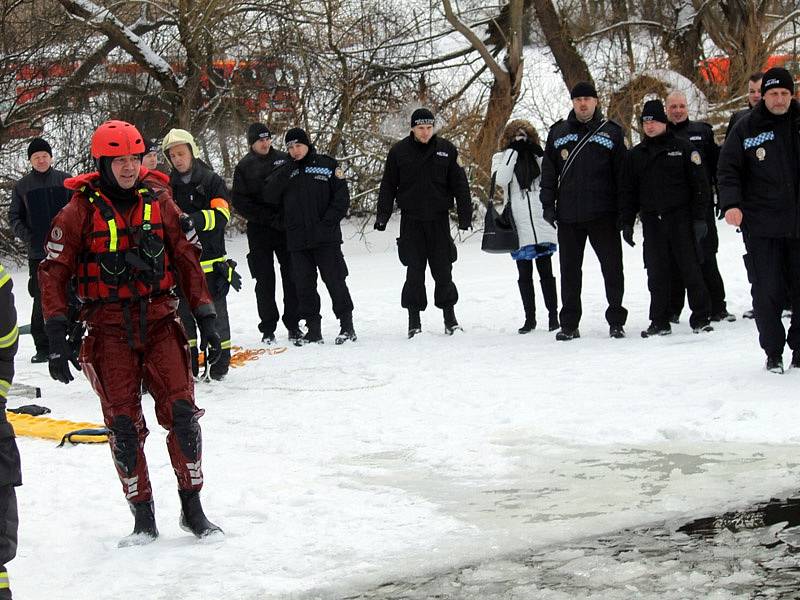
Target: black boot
(550, 301)
(414, 323)
(193, 518)
(450, 322)
(528, 305)
(144, 525)
(313, 334)
(346, 332)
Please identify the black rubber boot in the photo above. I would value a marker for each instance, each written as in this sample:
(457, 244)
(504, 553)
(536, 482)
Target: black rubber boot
(550, 301)
(346, 332)
(450, 322)
(528, 305)
(414, 323)
(144, 525)
(193, 518)
(313, 334)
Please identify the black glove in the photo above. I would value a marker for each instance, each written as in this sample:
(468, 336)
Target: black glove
(233, 276)
(187, 223)
(627, 235)
(61, 353)
(700, 230)
(209, 339)
(380, 224)
(549, 215)
(519, 145)
(464, 224)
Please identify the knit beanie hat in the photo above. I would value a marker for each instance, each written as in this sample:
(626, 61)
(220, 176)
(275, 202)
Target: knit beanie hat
(257, 131)
(584, 89)
(296, 135)
(39, 145)
(422, 116)
(777, 77)
(653, 110)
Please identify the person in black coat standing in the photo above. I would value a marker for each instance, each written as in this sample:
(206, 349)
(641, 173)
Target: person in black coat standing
(582, 164)
(701, 137)
(35, 200)
(313, 192)
(266, 235)
(759, 188)
(423, 174)
(664, 181)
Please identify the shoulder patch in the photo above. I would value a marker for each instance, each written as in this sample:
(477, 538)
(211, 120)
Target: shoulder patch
(695, 158)
(339, 173)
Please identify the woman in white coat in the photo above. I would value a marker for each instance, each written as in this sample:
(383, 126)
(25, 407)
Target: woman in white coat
(517, 171)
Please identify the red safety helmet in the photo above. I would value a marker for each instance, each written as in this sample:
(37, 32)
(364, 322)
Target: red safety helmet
(117, 138)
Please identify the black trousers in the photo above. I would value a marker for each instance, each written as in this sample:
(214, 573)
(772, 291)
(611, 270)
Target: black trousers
(223, 328)
(669, 240)
(710, 270)
(771, 262)
(421, 244)
(37, 318)
(9, 524)
(265, 245)
(603, 235)
(329, 261)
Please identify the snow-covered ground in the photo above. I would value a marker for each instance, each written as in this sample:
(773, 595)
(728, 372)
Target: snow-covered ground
(335, 468)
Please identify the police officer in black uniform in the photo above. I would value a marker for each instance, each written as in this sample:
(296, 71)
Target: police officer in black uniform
(266, 235)
(582, 164)
(202, 194)
(753, 98)
(702, 138)
(313, 192)
(665, 182)
(759, 187)
(423, 174)
(10, 472)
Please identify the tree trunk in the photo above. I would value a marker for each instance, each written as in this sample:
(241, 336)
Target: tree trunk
(559, 38)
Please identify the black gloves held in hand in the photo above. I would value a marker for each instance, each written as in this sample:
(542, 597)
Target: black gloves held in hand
(210, 342)
(61, 353)
(549, 215)
(380, 224)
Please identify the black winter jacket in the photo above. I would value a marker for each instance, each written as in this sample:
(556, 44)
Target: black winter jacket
(195, 199)
(759, 172)
(424, 178)
(663, 174)
(315, 198)
(589, 188)
(35, 200)
(249, 185)
(701, 135)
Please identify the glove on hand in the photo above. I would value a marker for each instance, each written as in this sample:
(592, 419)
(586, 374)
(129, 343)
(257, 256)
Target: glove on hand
(627, 235)
(61, 353)
(236, 279)
(464, 224)
(700, 230)
(209, 339)
(549, 215)
(380, 224)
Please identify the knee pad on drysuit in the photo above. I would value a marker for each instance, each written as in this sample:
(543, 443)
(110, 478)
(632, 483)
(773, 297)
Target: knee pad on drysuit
(124, 444)
(186, 428)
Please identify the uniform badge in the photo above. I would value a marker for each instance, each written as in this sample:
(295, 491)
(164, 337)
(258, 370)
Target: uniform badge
(56, 233)
(695, 157)
(761, 154)
(339, 173)
(564, 154)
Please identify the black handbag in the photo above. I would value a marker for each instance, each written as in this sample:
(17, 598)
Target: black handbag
(499, 231)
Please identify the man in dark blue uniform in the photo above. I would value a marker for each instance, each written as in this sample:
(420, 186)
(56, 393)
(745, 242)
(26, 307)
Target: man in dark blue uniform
(582, 165)
(759, 185)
